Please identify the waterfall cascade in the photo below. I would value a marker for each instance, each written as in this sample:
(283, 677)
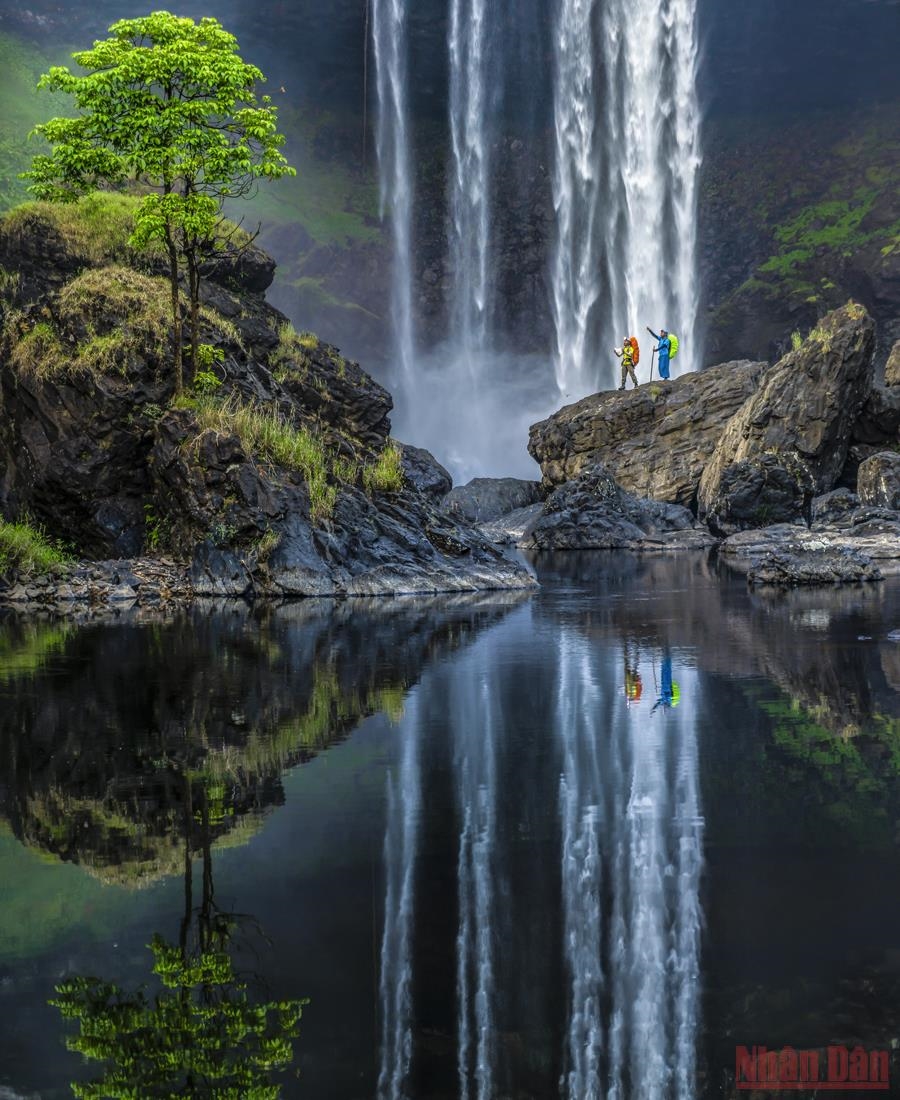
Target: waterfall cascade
(624, 159)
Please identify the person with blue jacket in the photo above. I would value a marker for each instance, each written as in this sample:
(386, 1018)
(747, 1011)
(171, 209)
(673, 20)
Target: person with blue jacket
(663, 348)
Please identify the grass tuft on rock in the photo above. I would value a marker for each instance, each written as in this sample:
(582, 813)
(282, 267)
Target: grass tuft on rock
(96, 228)
(386, 473)
(120, 313)
(265, 434)
(26, 550)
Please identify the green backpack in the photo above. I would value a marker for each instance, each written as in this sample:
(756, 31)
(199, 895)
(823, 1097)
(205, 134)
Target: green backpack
(673, 346)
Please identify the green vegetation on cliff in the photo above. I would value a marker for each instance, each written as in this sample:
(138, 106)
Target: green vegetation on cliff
(26, 550)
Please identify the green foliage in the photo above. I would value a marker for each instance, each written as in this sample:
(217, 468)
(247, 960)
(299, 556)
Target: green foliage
(170, 103)
(202, 1034)
(26, 550)
(265, 433)
(796, 340)
(386, 473)
(345, 469)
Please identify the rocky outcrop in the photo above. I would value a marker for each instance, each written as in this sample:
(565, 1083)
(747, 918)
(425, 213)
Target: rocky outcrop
(786, 569)
(879, 418)
(423, 471)
(878, 481)
(789, 441)
(872, 535)
(488, 498)
(278, 478)
(655, 440)
(592, 512)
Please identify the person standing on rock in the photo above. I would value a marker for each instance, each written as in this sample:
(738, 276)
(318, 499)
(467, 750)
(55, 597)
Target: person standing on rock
(663, 350)
(626, 354)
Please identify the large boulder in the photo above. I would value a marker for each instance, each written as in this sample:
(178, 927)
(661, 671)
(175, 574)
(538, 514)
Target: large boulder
(488, 498)
(656, 440)
(789, 442)
(592, 512)
(879, 418)
(422, 471)
(878, 481)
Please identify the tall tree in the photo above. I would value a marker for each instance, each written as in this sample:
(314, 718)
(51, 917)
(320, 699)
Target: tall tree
(169, 103)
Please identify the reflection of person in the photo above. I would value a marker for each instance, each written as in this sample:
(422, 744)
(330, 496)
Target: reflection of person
(670, 693)
(634, 686)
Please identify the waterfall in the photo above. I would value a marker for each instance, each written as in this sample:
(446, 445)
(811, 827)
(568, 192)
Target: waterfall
(475, 767)
(469, 228)
(400, 849)
(625, 183)
(389, 37)
(576, 264)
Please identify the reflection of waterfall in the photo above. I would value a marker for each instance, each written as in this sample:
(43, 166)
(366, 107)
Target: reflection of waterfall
(580, 797)
(638, 163)
(389, 36)
(469, 181)
(475, 767)
(632, 834)
(400, 849)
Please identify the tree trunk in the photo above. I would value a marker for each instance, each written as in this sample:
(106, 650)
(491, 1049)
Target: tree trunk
(176, 316)
(194, 281)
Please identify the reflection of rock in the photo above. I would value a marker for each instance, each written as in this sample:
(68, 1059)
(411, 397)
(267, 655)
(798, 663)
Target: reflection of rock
(485, 499)
(789, 441)
(878, 481)
(655, 440)
(592, 512)
(231, 699)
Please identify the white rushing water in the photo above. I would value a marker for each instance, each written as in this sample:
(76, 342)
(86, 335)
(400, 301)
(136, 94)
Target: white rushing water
(401, 841)
(390, 25)
(469, 183)
(576, 273)
(477, 873)
(625, 184)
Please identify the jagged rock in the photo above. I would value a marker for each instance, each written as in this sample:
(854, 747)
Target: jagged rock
(592, 512)
(656, 439)
(104, 461)
(879, 481)
(788, 570)
(892, 367)
(248, 269)
(857, 454)
(834, 507)
(789, 441)
(879, 419)
(487, 498)
(423, 472)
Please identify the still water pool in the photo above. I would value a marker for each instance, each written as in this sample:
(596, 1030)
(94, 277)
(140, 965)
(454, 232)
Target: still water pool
(581, 843)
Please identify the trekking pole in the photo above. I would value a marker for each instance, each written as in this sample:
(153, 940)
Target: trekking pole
(652, 360)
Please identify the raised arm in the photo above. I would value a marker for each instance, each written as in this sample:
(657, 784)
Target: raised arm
(655, 335)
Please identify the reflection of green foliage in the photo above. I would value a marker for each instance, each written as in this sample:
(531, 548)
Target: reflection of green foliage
(26, 651)
(849, 774)
(201, 1035)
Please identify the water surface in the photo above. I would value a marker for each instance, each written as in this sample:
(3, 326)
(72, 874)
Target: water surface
(578, 844)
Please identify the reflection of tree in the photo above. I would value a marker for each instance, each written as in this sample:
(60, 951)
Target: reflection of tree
(201, 1034)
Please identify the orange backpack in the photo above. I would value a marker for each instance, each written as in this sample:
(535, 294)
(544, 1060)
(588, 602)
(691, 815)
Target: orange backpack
(632, 340)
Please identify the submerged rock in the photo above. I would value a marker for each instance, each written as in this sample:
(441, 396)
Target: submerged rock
(655, 440)
(488, 498)
(789, 442)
